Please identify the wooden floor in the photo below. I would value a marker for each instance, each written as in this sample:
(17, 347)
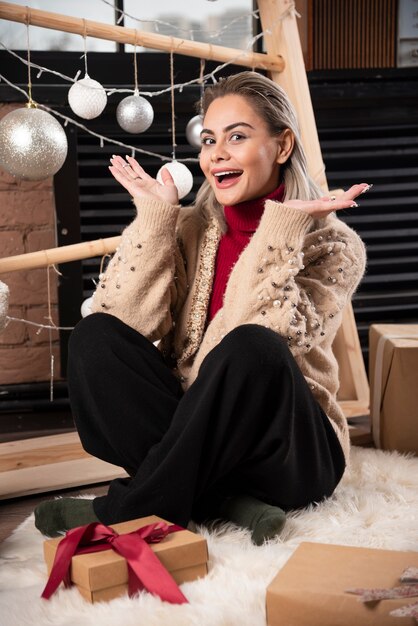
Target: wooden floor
(14, 511)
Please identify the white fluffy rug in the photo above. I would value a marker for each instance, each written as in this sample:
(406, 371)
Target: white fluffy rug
(376, 505)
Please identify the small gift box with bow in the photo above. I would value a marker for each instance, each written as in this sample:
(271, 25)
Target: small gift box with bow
(105, 562)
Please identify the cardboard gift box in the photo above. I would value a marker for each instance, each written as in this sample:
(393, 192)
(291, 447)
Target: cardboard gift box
(310, 590)
(393, 367)
(102, 576)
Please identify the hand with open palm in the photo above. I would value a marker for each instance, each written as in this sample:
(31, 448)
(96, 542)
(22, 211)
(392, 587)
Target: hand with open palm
(140, 184)
(327, 204)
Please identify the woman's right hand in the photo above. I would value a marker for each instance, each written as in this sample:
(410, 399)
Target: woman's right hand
(140, 184)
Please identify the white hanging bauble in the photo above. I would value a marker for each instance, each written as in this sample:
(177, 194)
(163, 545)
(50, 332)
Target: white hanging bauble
(87, 98)
(4, 304)
(134, 113)
(193, 130)
(182, 176)
(33, 144)
(86, 307)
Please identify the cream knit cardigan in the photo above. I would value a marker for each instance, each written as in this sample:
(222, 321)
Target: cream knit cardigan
(295, 276)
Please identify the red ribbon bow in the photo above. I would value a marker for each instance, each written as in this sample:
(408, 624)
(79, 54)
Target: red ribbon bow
(145, 570)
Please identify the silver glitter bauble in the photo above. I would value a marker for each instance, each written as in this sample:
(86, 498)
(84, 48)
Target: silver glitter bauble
(86, 307)
(182, 176)
(193, 130)
(134, 114)
(87, 98)
(33, 144)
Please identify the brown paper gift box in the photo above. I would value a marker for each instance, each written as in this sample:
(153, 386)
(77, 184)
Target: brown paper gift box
(310, 589)
(103, 575)
(393, 373)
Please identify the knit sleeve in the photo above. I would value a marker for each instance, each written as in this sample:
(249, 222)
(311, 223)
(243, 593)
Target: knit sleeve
(145, 279)
(294, 278)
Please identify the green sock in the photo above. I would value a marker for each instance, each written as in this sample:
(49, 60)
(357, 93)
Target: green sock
(264, 521)
(54, 517)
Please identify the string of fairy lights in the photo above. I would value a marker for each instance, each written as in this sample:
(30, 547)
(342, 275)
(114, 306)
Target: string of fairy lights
(87, 98)
(189, 32)
(43, 157)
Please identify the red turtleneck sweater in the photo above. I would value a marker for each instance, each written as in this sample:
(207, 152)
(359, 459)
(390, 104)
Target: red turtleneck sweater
(242, 221)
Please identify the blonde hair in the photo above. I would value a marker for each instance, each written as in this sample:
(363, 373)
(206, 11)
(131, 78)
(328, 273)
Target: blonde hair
(272, 104)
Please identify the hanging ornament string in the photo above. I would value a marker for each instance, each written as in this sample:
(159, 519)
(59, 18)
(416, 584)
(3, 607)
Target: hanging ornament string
(30, 103)
(87, 97)
(173, 116)
(182, 176)
(135, 114)
(85, 47)
(50, 329)
(136, 87)
(48, 281)
(202, 84)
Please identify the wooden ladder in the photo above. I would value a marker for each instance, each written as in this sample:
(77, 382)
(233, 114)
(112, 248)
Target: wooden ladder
(58, 461)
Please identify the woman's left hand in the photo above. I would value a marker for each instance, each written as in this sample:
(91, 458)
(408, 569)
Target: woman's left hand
(323, 206)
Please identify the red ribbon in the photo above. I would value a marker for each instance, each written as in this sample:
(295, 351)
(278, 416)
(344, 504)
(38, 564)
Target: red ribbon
(145, 570)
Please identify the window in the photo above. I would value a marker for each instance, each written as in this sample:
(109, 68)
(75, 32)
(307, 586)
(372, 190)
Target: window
(227, 23)
(13, 34)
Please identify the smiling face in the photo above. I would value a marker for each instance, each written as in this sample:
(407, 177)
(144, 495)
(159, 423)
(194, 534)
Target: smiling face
(240, 157)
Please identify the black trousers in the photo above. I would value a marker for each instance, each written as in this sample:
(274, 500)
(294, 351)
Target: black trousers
(249, 424)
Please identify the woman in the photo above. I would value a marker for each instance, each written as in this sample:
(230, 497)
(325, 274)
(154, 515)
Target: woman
(234, 416)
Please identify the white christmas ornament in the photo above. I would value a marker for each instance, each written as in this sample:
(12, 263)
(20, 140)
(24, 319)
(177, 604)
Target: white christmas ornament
(182, 176)
(193, 130)
(4, 304)
(87, 98)
(134, 114)
(33, 144)
(86, 307)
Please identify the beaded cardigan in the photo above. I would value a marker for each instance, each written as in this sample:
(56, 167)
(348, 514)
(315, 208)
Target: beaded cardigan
(295, 276)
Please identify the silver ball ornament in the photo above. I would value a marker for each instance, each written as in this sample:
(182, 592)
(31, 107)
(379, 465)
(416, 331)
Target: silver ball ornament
(33, 144)
(182, 176)
(134, 114)
(193, 130)
(86, 307)
(87, 98)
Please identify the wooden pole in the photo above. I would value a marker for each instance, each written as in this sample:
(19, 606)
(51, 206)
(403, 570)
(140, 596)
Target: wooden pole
(120, 34)
(279, 19)
(282, 41)
(55, 256)
(282, 38)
